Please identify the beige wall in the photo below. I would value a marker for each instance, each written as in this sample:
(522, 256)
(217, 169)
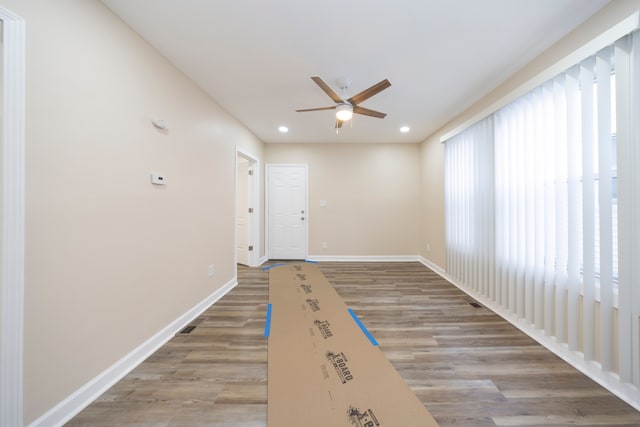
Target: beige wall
(372, 194)
(111, 260)
(432, 214)
(432, 219)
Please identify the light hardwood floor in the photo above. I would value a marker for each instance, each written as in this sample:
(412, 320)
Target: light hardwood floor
(467, 365)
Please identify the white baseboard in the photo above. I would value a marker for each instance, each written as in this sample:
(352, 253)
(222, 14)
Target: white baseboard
(430, 265)
(81, 398)
(366, 258)
(261, 261)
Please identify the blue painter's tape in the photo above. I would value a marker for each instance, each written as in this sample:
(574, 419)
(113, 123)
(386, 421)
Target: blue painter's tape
(310, 261)
(269, 267)
(364, 330)
(267, 324)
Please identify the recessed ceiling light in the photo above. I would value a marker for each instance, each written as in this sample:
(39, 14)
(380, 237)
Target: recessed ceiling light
(283, 129)
(405, 129)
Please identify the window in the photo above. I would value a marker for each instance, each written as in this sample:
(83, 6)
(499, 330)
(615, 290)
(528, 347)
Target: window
(541, 208)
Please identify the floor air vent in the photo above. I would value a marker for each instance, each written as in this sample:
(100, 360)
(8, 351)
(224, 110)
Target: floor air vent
(475, 304)
(187, 330)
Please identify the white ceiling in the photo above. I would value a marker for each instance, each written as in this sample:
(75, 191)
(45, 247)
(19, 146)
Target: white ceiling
(255, 57)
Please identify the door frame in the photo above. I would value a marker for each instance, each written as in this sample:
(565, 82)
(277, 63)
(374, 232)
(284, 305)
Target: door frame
(306, 204)
(13, 219)
(253, 224)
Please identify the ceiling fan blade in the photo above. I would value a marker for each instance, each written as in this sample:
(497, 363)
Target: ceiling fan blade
(327, 89)
(368, 93)
(367, 112)
(317, 109)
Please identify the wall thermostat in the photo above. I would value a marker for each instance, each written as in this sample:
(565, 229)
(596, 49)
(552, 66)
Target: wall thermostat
(158, 178)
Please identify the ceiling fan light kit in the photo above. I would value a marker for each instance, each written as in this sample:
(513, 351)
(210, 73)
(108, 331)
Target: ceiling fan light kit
(344, 112)
(346, 108)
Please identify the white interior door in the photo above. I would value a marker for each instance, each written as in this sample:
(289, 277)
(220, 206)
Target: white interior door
(242, 211)
(248, 223)
(287, 215)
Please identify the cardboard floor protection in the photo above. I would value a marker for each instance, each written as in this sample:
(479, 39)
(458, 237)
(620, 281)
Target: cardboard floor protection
(323, 368)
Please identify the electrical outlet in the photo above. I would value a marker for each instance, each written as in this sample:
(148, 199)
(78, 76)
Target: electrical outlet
(324, 245)
(210, 270)
(428, 247)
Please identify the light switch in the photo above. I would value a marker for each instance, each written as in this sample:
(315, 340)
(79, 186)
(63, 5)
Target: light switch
(323, 203)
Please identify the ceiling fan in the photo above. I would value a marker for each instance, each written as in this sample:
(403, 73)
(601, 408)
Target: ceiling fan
(346, 108)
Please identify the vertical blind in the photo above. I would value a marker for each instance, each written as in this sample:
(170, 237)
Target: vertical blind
(542, 209)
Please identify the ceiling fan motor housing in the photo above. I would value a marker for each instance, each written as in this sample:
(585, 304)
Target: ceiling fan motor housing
(344, 84)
